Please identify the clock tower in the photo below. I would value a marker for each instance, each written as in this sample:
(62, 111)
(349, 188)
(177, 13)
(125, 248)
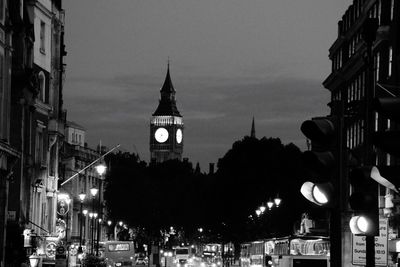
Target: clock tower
(166, 126)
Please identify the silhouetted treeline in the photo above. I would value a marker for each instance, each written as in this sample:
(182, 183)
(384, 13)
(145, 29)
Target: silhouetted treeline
(173, 193)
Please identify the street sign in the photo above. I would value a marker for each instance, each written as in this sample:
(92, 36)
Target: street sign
(381, 246)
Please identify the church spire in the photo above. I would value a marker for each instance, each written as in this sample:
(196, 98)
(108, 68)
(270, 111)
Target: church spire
(253, 130)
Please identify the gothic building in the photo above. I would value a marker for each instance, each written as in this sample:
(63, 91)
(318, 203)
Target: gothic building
(166, 126)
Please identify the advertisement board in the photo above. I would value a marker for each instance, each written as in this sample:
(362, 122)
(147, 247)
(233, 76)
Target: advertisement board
(381, 246)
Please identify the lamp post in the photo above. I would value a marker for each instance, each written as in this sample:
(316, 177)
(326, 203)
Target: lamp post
(34, 259)
(68, 201)
(84, 212)
(109, 222)
(99, 221)
(91, 231)
(95, 214)
(270, 204)
(82, 197)
(93, 192)
(100, 169)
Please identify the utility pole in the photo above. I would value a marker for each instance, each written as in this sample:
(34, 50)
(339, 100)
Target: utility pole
(369, 35)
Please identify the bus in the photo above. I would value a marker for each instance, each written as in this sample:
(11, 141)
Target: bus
(119, 253)
(289, 251)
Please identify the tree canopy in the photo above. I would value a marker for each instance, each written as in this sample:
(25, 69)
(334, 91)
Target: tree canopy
(173, 193)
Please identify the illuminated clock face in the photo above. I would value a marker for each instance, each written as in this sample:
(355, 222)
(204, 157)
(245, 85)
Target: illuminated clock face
(179, 136)
(161, 135)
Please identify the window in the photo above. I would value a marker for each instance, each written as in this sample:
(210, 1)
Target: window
(40, 151)
(390, 61)
(377, 59)
(391, 9)
(42, 87)
(42, 37)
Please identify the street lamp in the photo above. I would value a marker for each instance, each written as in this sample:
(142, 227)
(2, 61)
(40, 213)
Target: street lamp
(262, 208)
(82, 197)
(109, 222)
(91, 232)
(85, 212)
(258, 212)
(34, 259)
(101, 169)
(98, 235)
(277, 200)
(68, 201)
(270, 204)
(93, 192)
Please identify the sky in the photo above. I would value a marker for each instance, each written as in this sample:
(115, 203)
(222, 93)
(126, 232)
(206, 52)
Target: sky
(230, 61)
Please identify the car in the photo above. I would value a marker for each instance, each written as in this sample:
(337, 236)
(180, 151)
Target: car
(141, 261)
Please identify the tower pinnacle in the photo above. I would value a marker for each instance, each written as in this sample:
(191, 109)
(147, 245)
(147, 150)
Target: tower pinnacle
(253, 130)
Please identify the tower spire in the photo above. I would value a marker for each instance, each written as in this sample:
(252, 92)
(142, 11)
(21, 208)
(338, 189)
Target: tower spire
(253, 130)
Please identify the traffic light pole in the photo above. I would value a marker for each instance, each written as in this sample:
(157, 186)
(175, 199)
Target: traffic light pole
(369, 38)
(336, 213)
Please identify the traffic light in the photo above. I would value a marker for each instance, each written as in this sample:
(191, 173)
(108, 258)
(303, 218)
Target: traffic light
(321, 160)
(268, 261)
(364, 180)
(364, 202)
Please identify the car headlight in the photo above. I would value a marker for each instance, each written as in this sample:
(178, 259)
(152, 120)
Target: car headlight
(219, 263)
(118, 264)
(213, 265)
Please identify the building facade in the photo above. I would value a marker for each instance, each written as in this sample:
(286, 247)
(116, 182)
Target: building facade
(166, 126)
(9, 155)
(37, 125)
(77, 160)
(363, 70)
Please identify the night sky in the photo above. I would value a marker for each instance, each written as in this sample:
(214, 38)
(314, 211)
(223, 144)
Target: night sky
(230, 60)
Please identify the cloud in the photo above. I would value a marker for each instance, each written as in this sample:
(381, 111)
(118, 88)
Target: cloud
(217, 110)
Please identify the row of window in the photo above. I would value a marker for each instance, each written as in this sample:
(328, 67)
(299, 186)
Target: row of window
(355, 134)
(348, 19)
(76, 138)
(355, 90)
(355, 11)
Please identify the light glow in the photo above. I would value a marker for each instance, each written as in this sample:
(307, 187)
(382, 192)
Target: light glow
(270, 204)
(359, 225)
(94, 191)
(262, 208)
(82, 196)
(101, 169)
(277, 201)
(319, 196)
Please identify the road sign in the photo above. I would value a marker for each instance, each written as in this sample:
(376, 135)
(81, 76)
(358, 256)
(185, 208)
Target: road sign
(381, 246)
